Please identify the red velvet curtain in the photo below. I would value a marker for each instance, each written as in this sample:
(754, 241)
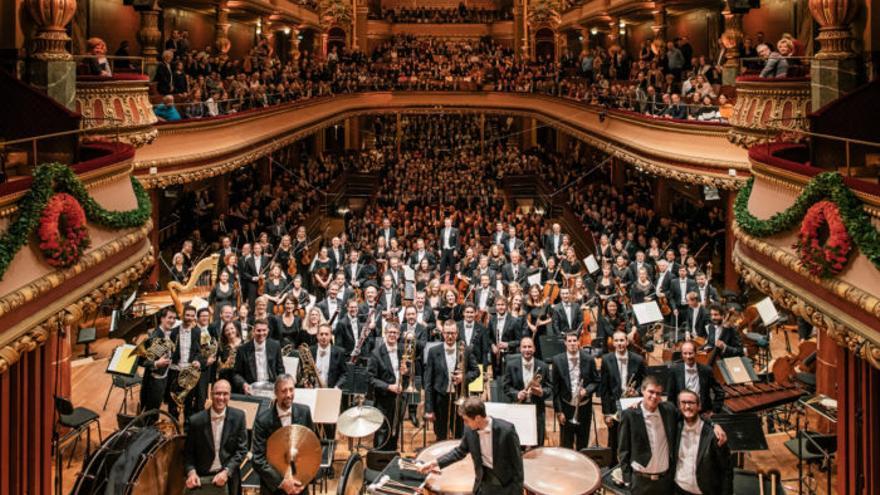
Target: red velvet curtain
(26, 417)
(858, 427)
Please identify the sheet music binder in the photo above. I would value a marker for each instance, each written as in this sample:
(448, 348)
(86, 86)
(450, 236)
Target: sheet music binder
(744, 432)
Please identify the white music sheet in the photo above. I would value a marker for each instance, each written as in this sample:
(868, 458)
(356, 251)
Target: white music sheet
(647, 312)
(767, 311)
(323, 403)
(291, 365)
(534, 279)
(523, 417)
(591, 264)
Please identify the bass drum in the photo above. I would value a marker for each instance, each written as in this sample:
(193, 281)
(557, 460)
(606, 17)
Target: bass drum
(454, 479)
(162, 471)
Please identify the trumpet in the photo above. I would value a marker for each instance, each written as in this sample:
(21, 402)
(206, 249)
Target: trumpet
(534, 385)
(576, 401)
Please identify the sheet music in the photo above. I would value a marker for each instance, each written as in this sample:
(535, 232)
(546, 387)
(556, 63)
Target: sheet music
(324, 403)
(409, 274)
(591, 264)
(523, 417)
(128, 302)
(534, 279)
(123, 362)
(198, 303)
(767, 311)
(647, 312)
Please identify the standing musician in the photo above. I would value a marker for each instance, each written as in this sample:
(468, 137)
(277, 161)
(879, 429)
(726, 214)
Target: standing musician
(622, 373)
(411, 324)
(494, 448)
(647, 442)
(679, 288)
(527, 381)
(450, 245)
(386, 370)
(574, 381)
(474, 335)
(390, 300)
(330, 363)
(484, 294)
(186, 353)
(567, 316)
(444, 382)
(420, 254)
(258, 360)
(332, 305)
(283, 413)
(505, 331)
(254, 269)
(349, 329)
(156, 371)
(703, 465)
(708, 294)
(553, 241)
(355, 272)
(216, 443)
(694, 318)
(425, 316)
(719, 334)
(695, 377)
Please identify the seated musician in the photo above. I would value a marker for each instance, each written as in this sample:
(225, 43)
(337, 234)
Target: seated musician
(444, 382)
(216, 443)
(697, 378)
(720, 335)
(386, 369)
(700, 470)
(355, 272)
(527, 381)
(622, 372)
(332, 305)
(574, 381)
(495, 451)
(282, 413)
(258, 360)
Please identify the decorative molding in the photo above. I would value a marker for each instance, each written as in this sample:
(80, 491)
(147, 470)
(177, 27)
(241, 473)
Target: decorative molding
(781, 104)
(123, 106)
(71, 314)
(839, 326)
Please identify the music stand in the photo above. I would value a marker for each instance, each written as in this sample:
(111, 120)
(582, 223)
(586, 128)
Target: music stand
(551, 346)
(744, 432)
(357, 380)
(85, 337)
(122, 361)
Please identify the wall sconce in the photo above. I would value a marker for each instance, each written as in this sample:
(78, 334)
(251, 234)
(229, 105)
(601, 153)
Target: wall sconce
(580, 38)
(622, 31)
(621, 24)
(287, 30)
(343, 210)
(594, 31)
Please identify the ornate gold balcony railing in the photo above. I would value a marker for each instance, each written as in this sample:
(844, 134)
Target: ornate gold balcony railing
(769, 109)
(118, 105)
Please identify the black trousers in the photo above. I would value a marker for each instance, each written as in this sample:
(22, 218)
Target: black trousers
(442, 418)
(387, 436)
(680, 491)
(576, 436)
(447, 262)
(152, 393)
(645, 486)
(613, 432)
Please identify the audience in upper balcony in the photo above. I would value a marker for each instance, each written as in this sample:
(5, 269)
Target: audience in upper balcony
(775, 63)
(97, 62)
(440, 15)
(165, 111)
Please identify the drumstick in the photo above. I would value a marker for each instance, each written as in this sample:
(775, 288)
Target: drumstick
(760, 483)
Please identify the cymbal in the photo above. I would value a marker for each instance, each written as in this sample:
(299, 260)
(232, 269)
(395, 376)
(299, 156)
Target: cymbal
(296, 444)
(360, 421)
(559, 471)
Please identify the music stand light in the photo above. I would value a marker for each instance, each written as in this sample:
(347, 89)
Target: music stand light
(85, 337)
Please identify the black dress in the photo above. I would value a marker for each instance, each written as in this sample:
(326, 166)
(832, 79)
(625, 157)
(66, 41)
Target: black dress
(642, 293)
(282, 332)
(219, 298)
(273, 289)
(533, 314)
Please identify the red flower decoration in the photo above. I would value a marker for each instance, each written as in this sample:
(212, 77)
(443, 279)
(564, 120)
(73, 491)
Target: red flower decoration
(823, 242)
(62, 231)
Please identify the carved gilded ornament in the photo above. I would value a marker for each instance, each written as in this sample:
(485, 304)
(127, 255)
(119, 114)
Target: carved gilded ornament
(51, 18)
(834, 18)
(776, 105)
(122, 107)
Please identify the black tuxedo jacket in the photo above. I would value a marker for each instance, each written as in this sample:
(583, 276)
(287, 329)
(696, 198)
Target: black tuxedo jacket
(415, 258)
(708, 293)
(198, 450)
(634, 270)
(429, 319)
(511, 333)
(517, 245)
(250, 268)
(153, 387)
(548, 245)
(611, 382)
(506, 457)
(714, 469)
(562, 385)
(390, 234)
(695, 326)
(490, 296)
(163, 78)
(454, 239)
(633, 442)
(336, 373)
(246, 363)
(479, 344)
(360, 274)
(675, 294)
(345, 337)
(733, 345)
(266, 424)
(514, 383)
(507, 273)
(325, 309)
(499, 237)
(337, 258)
(381, 370)
(711, 393)
(436, 380)
(560, 322)
(395, 299)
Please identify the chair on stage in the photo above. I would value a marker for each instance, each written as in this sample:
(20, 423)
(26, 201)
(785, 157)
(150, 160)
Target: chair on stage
(79, 420)
(127, 384)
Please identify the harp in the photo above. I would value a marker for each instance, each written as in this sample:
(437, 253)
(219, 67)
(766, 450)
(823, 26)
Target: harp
(199, 285)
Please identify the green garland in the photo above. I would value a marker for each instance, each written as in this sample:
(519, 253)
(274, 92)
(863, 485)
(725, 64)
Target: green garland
(825, 185)
(55, 177)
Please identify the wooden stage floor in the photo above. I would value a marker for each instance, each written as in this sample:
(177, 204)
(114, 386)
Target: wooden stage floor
(90, 385)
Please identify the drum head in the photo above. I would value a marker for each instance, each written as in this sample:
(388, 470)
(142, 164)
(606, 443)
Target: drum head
(558, 471)
(162, 473)
(455, 479)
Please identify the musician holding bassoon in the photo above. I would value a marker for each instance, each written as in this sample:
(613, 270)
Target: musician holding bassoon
(448, 372)
(387, 369)
(282, 413)
(575, 379)
(622, 374)
(527, 381)
(216, 443)
(494, 448)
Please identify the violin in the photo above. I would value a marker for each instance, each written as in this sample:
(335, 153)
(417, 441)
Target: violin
(664, 305)
(291, 267)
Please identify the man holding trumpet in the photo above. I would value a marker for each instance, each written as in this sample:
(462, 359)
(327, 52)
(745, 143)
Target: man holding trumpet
(527, 381)
(622, 374)
(574, 381)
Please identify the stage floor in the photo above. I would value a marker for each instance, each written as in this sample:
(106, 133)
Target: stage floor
(90, 385)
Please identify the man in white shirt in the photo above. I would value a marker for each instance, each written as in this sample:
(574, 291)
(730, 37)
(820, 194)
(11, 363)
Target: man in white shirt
(186, 354)
(703, 464)
(216, 443)
(647, 440)
(386, 369)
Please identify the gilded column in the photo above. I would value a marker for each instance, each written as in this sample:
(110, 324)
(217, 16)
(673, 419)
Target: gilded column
(659, 26)
(149, 36)
(52, 68)
(730, 40)
(221, 27)
(834, 69)
(613, 31)
(294, 44)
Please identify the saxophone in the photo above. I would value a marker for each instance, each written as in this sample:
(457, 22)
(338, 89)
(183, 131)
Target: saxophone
(310, 376)
(154, 348)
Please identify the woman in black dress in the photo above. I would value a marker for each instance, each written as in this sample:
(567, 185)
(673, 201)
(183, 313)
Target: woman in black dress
(222, 293)
(274, 287)
(450, 309)
(537, 317)
(610, 320)
(321, 273)
(285, 326)
(230, 339)
(179, 272)
(605, 286)
(642, 289)
(298, 293)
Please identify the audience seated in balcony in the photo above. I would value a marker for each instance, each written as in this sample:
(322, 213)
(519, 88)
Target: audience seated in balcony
(97, 62)
(437, 15)
(165, 111)
(775, 64)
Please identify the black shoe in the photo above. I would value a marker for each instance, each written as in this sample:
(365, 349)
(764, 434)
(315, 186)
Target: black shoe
(414, 419)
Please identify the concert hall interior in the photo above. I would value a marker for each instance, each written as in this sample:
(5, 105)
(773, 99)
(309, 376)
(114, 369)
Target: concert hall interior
(439, 246)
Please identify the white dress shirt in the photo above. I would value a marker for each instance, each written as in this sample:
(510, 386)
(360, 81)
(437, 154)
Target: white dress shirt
(682, 283)
(451, 356)
(484, 298)
(262, 362)
(185, 340)
(688, 448)
(528, 371)
(468, 332)
(217, 432)
(322, 362)
(286, 416)
(485, 435)
(659, 462)
(692, 378)
(395, 363)
(623, 368)
(574, 374)
(567, 309)
(447, 232)
(499, 327)
(354, 327)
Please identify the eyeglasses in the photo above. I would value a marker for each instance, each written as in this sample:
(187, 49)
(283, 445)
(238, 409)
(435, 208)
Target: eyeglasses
(687, 402)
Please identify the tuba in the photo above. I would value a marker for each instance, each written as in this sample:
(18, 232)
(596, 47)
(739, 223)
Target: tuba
(154, 348)
(310, 376)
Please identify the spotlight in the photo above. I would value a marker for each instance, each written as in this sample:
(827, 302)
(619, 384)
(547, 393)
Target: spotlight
(594, 31)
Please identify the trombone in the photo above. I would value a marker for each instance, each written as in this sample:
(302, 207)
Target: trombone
(456, 395)
(408, 359)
